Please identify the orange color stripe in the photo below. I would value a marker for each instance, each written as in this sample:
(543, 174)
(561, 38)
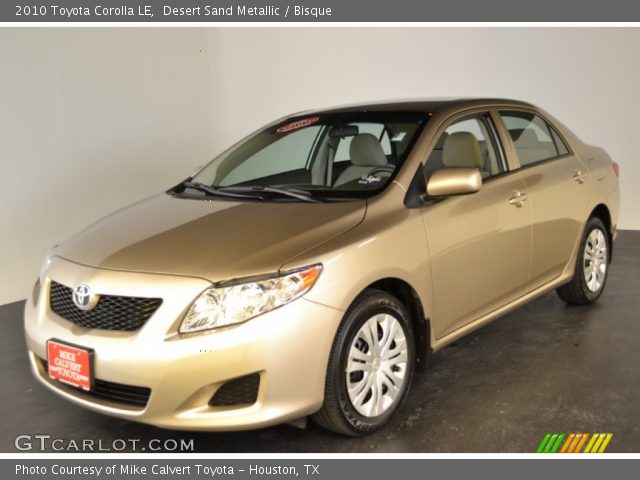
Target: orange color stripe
(574, 443)
(581, 443)
(567, 443)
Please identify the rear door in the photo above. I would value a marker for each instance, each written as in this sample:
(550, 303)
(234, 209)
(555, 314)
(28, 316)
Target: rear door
(479, 244)
(558, 187)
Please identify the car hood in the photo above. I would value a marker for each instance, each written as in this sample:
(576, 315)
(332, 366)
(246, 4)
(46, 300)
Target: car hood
(216, 239)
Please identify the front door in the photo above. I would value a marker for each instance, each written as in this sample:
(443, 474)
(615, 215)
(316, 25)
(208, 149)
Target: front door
(479, 244)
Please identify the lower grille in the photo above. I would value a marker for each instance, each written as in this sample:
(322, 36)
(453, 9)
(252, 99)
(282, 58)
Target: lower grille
(110, 391)
(112, 312)
(241, 391)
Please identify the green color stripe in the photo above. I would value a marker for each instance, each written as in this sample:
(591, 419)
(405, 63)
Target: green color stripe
(551, 443)
(543, 443)
(555, 448)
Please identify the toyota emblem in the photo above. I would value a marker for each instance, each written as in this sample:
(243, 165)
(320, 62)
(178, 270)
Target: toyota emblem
(83, 297)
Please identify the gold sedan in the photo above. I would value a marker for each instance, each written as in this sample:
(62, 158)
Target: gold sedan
(309, 269)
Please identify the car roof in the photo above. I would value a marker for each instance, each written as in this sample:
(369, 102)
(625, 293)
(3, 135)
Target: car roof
(427, 105)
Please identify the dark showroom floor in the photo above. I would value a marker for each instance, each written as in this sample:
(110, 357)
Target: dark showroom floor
(544, 368)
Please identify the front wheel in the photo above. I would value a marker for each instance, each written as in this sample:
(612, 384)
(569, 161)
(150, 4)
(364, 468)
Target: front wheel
(370, 366)
(592, 266)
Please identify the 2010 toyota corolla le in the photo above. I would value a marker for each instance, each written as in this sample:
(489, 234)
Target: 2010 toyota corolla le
(309, 269)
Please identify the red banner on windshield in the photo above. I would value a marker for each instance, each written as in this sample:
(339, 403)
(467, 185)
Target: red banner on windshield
(289, 127)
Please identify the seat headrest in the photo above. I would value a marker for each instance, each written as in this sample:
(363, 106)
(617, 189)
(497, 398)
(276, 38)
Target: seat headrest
(461, 149)
(365, 151)
(527, 139)
(515, 133)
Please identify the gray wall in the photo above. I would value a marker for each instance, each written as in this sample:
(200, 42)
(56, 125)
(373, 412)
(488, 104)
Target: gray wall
(93, 119)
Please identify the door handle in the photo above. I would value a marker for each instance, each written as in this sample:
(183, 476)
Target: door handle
(517, 198)
(579, 177)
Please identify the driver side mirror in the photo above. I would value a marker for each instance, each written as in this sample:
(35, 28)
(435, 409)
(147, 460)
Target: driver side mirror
(454, 181)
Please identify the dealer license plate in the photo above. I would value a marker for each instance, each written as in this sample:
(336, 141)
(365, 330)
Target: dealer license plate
(70, 364)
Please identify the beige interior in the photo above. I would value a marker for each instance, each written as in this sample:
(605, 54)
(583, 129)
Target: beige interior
(461, 149)
(366, 156)
(530, 148)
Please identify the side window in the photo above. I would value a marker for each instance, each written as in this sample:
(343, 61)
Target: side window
(466, 143)
(284, 155)
(534, 139)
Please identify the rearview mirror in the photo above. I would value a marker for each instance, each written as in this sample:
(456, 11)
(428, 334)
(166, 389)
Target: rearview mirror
(344, 131)
(454, 181)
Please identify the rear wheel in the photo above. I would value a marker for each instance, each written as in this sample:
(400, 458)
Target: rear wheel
(370, 367)
(592, 266)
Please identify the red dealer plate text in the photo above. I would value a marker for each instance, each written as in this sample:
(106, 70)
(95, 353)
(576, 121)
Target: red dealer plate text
(70, 364)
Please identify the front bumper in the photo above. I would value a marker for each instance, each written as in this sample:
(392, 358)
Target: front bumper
(288, 347)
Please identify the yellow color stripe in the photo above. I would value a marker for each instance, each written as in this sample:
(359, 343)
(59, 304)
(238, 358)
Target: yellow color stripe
(566, 444)
(596, 446)
(606, 441)
(590, 444)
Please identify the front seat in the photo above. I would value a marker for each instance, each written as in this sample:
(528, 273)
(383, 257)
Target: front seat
(461, 149)
(366, 155)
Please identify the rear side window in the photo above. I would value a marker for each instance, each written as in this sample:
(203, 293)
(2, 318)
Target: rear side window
(534, 139)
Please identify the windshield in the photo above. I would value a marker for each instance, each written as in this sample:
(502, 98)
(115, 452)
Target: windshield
(324, 156)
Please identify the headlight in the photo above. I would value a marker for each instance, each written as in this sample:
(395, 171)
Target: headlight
(227, 305)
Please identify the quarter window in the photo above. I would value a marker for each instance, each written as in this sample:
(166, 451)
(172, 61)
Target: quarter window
(533, 138)
(560, 145)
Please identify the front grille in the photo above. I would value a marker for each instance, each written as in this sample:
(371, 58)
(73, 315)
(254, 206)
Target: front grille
(241, 391)
(112, 312)
(110, 391)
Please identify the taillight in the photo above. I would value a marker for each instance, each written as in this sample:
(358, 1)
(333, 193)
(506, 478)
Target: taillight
(616, 168)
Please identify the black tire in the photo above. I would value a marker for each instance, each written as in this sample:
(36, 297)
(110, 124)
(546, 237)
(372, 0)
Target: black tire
(577, 292)
(338, 413)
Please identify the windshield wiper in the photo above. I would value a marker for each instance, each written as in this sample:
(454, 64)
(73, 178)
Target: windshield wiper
(217, 191)
(292, 193)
